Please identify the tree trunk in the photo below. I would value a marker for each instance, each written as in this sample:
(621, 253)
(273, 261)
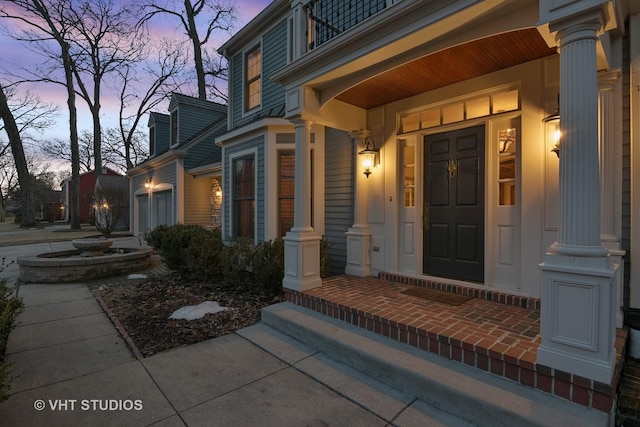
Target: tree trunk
(97, 129)
(197, 50)
(28, 211)
(73, 135)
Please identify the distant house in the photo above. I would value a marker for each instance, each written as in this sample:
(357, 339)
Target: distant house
(180, 182)
(486, 144)
(87, 187)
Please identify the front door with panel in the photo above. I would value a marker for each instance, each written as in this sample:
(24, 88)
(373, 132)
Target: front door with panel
(453, 211)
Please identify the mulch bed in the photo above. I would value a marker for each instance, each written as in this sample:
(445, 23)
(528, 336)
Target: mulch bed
(143, 309)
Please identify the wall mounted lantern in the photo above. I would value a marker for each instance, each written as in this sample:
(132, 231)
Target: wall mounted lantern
(147, 185)
(554, 120)
(218, 192)
(369, 155)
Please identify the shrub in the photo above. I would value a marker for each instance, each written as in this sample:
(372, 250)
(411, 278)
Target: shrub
(154, 237)
(236, 263)
(204, 256)
(190, 250)
(268, 265)
(10, 307)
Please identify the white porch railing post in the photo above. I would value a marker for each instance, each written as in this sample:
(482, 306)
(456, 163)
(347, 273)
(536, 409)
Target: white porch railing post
(577, 322)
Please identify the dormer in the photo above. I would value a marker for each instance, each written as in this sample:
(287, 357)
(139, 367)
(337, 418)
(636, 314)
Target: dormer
(158, 133)
(188, 116)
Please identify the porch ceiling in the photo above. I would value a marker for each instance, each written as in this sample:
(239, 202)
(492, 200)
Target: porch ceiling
(449, 66)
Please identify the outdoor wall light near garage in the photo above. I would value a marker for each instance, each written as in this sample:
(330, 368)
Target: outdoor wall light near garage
(218, 192)
(369, 155)
(147, 185)
(554, 121)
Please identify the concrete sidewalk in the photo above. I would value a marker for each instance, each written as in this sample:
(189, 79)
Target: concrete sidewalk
(71, 367)
(69, 359)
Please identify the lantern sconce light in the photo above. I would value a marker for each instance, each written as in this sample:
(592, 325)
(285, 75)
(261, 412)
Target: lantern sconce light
(554, 120)
(147, 185)
(369, 155)
(218, 192)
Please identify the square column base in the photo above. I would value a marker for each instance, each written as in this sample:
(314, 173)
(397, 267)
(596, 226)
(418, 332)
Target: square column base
(301, 260)
(358, 258)
(577, 318)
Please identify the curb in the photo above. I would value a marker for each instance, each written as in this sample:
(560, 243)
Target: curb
(120, 328)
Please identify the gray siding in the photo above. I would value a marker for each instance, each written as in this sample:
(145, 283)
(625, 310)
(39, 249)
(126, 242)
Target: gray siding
(339, 185)
(192, 120)
(274, 56)
(257, 143)
(626, 167)
(162, 130)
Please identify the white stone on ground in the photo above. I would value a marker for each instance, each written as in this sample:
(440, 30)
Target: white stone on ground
(192, 312)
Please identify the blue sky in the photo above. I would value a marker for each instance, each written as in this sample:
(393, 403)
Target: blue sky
(13, 53)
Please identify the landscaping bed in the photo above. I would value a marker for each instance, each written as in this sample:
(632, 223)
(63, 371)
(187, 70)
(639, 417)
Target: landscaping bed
(143, 309)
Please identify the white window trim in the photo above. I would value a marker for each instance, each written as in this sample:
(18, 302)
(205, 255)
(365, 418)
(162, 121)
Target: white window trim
(245, 111)
(232, 157)
(171, 143)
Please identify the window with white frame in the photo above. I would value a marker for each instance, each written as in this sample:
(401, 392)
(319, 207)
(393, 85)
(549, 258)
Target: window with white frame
(286, 187)
(253, 73)
(244, 196)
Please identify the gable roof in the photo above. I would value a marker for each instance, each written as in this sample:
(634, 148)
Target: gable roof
(155, 117)
(178, 98)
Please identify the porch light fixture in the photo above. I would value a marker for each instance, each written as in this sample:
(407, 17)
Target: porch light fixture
(369, 155)
(218, 192)
(147, 185)
(554, 120)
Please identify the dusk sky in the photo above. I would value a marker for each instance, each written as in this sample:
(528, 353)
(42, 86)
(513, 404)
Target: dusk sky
(13, 53)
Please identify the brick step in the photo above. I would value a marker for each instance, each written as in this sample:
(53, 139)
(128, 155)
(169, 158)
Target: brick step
(466, 393)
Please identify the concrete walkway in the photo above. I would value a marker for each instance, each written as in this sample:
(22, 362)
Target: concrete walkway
(71, 367)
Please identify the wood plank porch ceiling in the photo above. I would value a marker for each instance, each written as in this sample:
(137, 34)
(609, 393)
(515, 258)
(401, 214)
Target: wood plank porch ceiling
(449, 66)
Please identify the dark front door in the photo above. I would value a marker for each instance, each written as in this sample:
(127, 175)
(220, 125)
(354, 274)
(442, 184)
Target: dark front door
(453, 212)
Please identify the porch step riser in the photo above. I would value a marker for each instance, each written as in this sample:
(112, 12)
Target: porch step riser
(474, 396)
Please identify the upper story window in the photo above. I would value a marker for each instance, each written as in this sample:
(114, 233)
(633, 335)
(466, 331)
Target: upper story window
(253, 73)
(152, 140)
(174, 128)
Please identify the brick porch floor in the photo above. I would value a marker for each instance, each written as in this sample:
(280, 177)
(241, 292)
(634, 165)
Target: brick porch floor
(495, 332)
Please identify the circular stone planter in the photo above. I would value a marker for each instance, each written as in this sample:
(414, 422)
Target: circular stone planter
(71, 266)
(92, 246)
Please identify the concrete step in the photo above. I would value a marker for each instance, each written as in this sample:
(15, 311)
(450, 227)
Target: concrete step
(466, 394)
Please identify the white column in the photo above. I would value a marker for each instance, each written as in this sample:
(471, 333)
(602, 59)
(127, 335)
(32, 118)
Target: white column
(299, 30)
(577, 322)
(359, 235)
(610, 143)
(302, 244)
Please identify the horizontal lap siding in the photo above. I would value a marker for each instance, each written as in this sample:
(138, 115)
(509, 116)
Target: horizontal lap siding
(339, 195)
(274, 57)
(197, 200)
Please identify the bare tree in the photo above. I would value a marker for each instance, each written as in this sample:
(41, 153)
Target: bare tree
(21, 118)
(8, 178)
(163, 75)
(219, 18)
(59, 149)
(28, 217)
(49, 21)
(105, 42)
